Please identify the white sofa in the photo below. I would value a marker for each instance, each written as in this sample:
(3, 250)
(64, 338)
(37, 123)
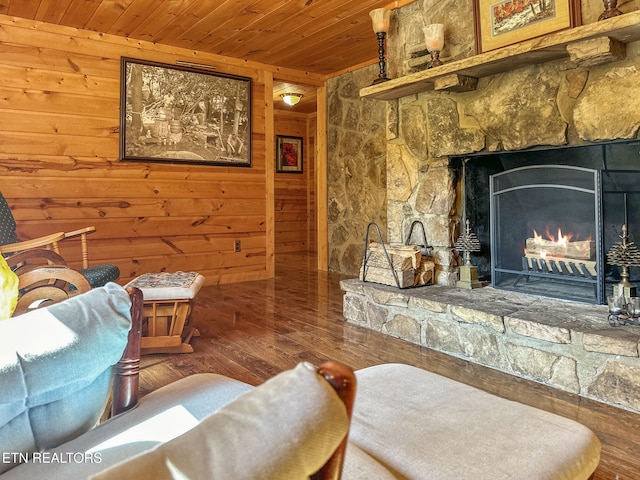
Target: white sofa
(407, 423)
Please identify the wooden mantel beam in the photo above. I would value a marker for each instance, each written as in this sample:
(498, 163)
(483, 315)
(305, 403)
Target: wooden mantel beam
(596, 51)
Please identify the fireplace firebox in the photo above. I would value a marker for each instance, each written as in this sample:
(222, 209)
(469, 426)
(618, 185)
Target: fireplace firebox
(544, 223)
(546, 217)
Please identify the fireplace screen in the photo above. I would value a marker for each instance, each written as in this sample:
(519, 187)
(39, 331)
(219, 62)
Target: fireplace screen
(545, 232)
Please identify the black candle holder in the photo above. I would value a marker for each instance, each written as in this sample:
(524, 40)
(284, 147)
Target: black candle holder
(382, 76)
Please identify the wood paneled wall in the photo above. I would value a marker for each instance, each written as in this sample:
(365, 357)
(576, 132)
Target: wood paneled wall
(294, 222)
(59, 168)
(312, 179)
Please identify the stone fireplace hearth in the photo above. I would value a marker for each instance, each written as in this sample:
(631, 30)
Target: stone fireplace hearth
(567, 345)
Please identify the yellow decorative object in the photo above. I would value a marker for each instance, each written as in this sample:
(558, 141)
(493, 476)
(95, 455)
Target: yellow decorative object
(8, 290)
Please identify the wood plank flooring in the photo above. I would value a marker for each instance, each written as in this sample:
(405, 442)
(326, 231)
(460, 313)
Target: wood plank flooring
(253, 330)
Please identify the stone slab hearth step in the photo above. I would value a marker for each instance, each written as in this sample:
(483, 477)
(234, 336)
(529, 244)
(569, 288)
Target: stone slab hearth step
(567, 345)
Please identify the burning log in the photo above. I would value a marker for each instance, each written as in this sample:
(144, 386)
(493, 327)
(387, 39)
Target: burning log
(560, 257)
(579, 250)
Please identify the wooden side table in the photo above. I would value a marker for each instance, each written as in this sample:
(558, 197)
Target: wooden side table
(168, 301)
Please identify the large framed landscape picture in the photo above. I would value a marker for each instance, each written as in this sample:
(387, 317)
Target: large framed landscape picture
(179, 114)
(502, 23)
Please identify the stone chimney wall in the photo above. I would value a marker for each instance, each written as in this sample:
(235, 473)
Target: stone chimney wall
(551, 104)
(356, 170)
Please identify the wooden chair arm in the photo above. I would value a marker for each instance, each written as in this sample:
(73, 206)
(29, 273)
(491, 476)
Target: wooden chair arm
(82, 233)
(343, 380)
(46, 241)
(127, 375)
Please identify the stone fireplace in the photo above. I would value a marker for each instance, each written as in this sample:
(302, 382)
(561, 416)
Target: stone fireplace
(390, 161)
(531, 109)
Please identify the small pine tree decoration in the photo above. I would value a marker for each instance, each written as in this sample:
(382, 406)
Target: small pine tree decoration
(467, 242)
(624, 254)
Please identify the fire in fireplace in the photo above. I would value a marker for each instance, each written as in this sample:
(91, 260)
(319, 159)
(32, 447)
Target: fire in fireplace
(559, 254)
(546, 218)
(543, 197)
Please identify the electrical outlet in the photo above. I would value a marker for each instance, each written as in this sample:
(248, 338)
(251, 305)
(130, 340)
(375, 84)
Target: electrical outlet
(236, 246)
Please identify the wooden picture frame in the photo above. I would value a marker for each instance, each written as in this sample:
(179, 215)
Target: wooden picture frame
(289, 154)
(179, 114)
(505, 22)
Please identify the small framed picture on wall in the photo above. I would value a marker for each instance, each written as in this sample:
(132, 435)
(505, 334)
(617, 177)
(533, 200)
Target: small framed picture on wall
(288, 154)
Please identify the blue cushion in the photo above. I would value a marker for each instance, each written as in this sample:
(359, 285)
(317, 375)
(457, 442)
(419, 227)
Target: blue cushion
(56, 368)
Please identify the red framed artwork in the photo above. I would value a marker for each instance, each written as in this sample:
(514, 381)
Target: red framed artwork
(288, 154)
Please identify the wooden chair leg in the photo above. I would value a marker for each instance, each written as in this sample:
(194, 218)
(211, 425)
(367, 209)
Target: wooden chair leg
(167, 330)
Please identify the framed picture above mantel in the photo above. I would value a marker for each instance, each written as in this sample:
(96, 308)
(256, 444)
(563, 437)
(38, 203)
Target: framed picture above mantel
(178, 114)
(289, 154)
(502, 23)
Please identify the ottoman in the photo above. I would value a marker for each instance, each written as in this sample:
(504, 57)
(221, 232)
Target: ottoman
(168, 301)
(413, 424)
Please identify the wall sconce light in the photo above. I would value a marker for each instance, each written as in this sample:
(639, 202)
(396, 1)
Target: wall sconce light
(381, 17)
(434, 38)
(291, 98)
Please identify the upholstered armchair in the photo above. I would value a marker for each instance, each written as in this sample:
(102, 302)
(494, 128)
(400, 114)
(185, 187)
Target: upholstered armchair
(56, 365)
(96, 275)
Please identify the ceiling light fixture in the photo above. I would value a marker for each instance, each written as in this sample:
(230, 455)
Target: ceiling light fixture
(291, 98)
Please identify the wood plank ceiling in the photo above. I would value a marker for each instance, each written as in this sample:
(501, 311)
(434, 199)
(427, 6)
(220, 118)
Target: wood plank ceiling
(324, 37)
(318, 36)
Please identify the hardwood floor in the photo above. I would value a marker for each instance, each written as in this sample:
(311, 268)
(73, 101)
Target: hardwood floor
(253, 330)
